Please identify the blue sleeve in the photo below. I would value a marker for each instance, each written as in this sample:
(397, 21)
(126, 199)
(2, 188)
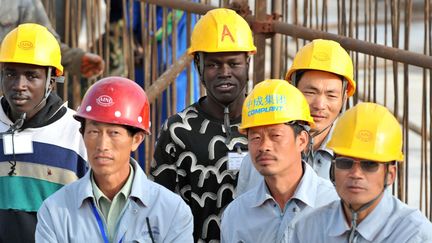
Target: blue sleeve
(181, 229)
(45, 229)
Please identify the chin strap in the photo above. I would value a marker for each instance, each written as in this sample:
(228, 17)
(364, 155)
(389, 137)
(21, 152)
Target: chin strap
(354, 213)
(227, 126)
(12, 129)
(310, 155)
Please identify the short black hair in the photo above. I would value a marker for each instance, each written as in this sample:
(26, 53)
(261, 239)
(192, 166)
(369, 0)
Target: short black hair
(130, 130)
(299, 74)
(298, 127)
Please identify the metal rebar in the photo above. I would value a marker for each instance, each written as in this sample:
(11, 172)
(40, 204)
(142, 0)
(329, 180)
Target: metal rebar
(428, 23)
(375, 40)
(188, 6)
(260, 43)
(174, 23)
(385, 43)
(189, 91)
(296, 31)
(368, 38)
(407, 30)
(167, 77)
(107, 38)
(423, 146)
(276, 43)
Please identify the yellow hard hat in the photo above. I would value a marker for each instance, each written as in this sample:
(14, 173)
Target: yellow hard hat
(274, 101)
(222, 30)
(324, 55)
(32, 44)
(368, 131)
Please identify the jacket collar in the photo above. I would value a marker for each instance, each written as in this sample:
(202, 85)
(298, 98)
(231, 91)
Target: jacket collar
(140, 187)
(305, 192)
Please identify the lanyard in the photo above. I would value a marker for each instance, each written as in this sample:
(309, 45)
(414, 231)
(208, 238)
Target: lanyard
(100, 224)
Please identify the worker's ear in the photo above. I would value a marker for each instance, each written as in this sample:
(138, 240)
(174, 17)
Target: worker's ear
(51, 84)
(302, 140)
(391, 174)
(137, 139)
(332, 173)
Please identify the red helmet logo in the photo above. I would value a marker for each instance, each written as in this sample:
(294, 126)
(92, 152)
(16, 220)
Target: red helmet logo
(105, 100)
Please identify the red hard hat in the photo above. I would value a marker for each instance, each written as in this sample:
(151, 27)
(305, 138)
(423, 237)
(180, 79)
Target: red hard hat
(116, 100)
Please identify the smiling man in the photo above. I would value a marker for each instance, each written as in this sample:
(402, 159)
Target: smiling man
(114, 201)
(367, 143)
(323, 71)
(199, 149)
(40, 149)
(277, 132)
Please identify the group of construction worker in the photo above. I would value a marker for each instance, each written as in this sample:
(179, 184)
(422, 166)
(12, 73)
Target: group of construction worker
(284, 163)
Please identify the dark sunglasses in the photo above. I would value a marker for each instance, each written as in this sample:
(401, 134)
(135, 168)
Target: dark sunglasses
(344, 163)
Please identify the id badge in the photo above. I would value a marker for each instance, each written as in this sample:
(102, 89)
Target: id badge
(235, 159)
(19, 144)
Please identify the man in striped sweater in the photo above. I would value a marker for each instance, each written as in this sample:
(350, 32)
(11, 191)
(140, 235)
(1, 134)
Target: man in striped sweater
(41, 148)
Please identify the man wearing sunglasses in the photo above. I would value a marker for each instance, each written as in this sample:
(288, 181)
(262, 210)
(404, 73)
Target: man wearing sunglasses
(276, 120)
(367, 143)
(323, 71)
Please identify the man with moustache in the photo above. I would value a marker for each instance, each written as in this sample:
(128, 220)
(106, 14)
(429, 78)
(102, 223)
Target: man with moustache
(276, 120)
(323, 71)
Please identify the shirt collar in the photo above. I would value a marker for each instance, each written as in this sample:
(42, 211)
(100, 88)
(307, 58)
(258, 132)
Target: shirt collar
(373, 224)
(305, 192)
(140, 188)
(370, 227)
(337, 224)
(124, 191)
(261, 193)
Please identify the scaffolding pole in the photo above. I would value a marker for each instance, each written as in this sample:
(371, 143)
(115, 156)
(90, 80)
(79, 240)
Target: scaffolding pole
(296, 31)
(168, 77)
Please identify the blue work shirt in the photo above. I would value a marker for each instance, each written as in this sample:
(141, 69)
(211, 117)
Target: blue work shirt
(391, 221)
(68, 216)
(255, 216)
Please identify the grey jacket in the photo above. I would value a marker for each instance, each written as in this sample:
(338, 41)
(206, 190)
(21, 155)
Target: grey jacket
(68, 216)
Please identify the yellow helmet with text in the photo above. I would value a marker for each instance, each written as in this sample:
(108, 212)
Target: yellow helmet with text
(274, 101)
(324, 55)
(222, 30)
(32, 44)
(368, 131)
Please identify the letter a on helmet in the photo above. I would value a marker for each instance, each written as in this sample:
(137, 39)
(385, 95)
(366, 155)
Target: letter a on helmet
(226, 32)
(222, 30)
